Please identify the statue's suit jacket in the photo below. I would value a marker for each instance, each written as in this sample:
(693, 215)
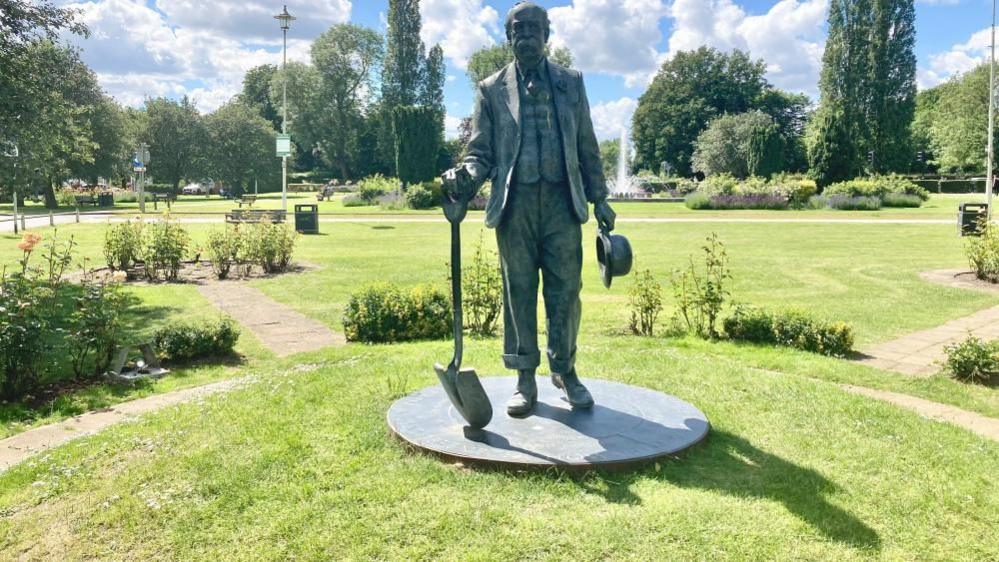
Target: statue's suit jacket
(496, 136)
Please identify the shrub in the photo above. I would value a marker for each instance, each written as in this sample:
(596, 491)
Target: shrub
(847, 203)
(855, 188)
(818, 202)
(184, 341)
(96, 326)
(483, 291)
(790, 329)
(373, 187)
(419, 196)
(354, 200)
(123, 245)
(719, 184)
(125, 197)
(645, 300)
(796, 187)
(384, 313)
(270, 245)
(697, 201)
(24, 323)
(393, 202)
(683, 186)
(983, 252)
(973, 360)
(66, 198)
(759, 201)
(701, 296)
(753, 185)
(897, 184)
(901, 200)
(224, 247)
(164, 246)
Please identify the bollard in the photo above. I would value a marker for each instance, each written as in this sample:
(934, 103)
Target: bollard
(51, 218)
(77, 215)
(22, 221)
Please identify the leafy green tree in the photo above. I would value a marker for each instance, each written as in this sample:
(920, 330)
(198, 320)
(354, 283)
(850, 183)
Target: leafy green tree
(833, 156)
(868, 77)
(689, 91)
(489, 60)
(432, 93)
(241, 144)
(257, 93)
(610, 151)
(417, 143)
(176, 137)
(111, 142)
(405, 55)
(790, 113)
(727, 145)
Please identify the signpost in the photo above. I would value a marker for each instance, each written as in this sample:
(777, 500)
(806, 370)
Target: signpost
(9, 149)
(139, 167)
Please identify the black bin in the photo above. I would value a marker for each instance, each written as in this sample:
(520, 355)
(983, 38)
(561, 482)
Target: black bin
(105, 199)
(969, 216)
(307, 219)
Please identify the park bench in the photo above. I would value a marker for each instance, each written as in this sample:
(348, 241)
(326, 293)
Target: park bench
(248, 199)
(168, 198)
(86, 200)
(254, 215)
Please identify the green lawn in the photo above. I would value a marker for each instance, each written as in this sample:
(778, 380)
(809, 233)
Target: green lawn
(299, 465)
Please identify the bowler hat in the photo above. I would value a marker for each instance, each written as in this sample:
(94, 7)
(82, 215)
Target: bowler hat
(613, 255)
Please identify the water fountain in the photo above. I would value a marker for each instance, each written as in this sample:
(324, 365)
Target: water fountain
(624, 186)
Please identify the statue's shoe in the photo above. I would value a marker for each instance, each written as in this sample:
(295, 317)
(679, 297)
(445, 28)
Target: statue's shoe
(522, 403)
(577, 394)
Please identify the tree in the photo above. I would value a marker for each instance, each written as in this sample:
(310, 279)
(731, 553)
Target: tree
(404, 55)
(868, 78)
(953, 120)
(691, 89)
(177, 141)
(111, 142)
(790, 113)
(833, 157)
(610, 151)
(327, 100)
(257, 93)
(489, 60)
(727, 145)
(241, 145)
(433, 84)
(417, 143)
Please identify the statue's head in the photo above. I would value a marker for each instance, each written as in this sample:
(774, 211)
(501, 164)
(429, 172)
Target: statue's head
(527, 30)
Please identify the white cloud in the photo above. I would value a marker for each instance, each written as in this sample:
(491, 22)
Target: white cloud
(617, 37)
(960, 58)
(789, 37)
(253, 19)
(137, 52)
(460, 26)
(451, 124)
(612, 116)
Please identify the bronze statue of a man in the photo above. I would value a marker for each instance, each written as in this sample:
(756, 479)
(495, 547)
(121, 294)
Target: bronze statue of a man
(533, 137)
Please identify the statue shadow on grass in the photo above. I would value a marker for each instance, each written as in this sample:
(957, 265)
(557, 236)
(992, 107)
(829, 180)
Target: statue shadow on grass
(723, 462)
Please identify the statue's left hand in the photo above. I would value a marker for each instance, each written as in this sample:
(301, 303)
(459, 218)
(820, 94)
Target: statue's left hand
(605, 215)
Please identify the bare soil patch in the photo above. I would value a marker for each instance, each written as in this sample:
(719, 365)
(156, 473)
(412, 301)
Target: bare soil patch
(959, 278)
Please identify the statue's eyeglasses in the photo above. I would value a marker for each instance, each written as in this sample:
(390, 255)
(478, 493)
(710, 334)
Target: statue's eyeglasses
(527, 27)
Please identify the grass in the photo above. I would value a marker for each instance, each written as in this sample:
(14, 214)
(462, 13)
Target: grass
(298, 465)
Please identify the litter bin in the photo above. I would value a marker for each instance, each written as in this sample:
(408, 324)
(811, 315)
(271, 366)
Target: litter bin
(307, 219)
(968, 217)
(105, 199)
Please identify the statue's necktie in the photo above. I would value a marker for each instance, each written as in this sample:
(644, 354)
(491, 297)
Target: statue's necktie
(533, 83)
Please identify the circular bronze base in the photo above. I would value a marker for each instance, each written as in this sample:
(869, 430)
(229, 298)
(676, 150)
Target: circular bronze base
(627, 426)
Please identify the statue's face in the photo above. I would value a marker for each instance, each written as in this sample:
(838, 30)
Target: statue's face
(528, 36)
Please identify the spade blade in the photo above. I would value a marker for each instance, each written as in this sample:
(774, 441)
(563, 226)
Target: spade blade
(465, 391)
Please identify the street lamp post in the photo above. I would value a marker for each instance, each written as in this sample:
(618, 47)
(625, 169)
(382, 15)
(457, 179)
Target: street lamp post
(989, 176)
(285, 20)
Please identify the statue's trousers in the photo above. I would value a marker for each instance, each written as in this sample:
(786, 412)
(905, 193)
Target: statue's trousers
(540, 231)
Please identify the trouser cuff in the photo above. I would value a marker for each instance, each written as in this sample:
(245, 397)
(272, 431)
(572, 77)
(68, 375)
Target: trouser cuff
(528, 361)
(562, 366)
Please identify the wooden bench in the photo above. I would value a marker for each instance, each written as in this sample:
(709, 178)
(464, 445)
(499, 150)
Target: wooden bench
(248, 199)
(86, 200)
(168, 198)
(254, 215)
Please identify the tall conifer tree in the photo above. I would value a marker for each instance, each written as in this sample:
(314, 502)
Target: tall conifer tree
(404, 55)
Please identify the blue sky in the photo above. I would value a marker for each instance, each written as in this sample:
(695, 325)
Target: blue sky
(172, 48)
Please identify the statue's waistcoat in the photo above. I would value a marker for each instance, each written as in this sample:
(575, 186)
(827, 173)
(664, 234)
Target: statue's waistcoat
(541, 155)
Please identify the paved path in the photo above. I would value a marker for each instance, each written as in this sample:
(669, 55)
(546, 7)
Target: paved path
(23, 445)
(976, 423)
(280, 328)
(36, 222)
(920, 354)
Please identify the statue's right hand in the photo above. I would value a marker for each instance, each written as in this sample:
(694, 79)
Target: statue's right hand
(456, 183)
